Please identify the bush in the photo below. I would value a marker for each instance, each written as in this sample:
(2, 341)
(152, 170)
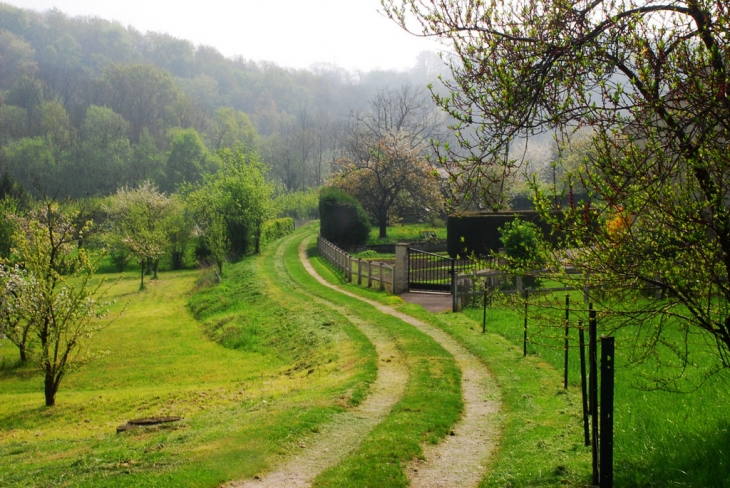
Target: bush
(275, 229)
(522, 243)
(342, 219)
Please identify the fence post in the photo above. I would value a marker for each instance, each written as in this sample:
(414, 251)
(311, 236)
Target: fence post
(607, 388)
(400, 269)
(567, 332)
(359, 271)
(583, 385)
(524, 339)
(370, 274)
(454, 289)
(382, 286)
(349, 268)
(593, 389)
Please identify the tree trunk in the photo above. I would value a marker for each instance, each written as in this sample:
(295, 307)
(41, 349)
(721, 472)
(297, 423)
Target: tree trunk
(382, 223)
(154, 269)
(50, 387)
(141, 275)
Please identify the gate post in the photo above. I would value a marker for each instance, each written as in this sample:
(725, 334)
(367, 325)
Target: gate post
(400, 269)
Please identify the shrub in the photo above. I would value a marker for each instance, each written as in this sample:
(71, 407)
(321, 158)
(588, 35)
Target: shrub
(275, 229)
(342, 219)
(522, 243)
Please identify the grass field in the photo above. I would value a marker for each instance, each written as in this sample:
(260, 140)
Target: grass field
(407, 233)
(662, 438)
(246, 395)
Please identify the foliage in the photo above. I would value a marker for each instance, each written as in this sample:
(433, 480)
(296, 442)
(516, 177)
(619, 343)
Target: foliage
(394, 181)
(523, 244)
(51, 308)
(652, 81)
(342, 219)
(299, 205)
(138, 223)
(239, 197)
(276, 229)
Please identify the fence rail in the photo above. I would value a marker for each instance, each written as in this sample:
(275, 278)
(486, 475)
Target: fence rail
(370, 273)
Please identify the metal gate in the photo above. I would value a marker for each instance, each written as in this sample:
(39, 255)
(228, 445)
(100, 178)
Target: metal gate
(432, 272)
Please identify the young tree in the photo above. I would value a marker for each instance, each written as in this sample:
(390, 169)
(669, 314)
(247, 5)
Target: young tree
(138, 217)
(652, 79)
(53, 298)
(394, 178)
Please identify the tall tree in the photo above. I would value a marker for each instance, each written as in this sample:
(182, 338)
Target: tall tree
(141, 94)
(395, 180)
(652, 79)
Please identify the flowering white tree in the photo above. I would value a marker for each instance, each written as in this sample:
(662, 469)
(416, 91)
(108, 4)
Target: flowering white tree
(50, 307)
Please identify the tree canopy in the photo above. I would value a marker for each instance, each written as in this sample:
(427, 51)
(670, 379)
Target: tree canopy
(651, 80)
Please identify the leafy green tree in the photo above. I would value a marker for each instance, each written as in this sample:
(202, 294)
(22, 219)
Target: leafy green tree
(17, 58)
(230, 128)
(179, 227)
(240, 193)
(31, 163)
(652, 80)
(104, 154)
(53, 295)
(188, 159)
(141, 94)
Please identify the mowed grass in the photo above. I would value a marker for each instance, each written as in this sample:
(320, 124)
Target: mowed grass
(246, 395)
(662, 438)
(407, 233)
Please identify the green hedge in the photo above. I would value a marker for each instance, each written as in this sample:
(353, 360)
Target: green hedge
(342, 219)
(275, 229)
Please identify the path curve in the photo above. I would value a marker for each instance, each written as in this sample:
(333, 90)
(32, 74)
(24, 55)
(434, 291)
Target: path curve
(344, 433)
(461, 459)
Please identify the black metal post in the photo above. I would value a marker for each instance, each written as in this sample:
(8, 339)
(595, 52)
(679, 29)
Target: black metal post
(567, 321)
(524, 338)
(454, 289)
(484, 319)
(607, 389)
(593, 389)
(583, 385)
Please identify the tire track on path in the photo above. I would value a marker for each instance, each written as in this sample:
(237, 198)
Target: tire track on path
(344, 433)
(461, 459)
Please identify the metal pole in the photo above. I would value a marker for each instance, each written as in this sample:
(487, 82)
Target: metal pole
(454, 290)
(484, 320)
(607, 389)
(583, 386)
(593, 389)
(567, 331)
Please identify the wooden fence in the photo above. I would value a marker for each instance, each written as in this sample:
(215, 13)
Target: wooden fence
(365, 272)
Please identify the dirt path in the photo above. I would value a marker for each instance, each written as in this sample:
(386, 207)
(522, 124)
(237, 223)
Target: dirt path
(345, 432)
(460, 459)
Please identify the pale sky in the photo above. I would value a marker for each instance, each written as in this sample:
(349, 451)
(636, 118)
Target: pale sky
(292, 33)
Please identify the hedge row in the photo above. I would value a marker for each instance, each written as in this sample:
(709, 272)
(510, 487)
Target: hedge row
(275, 229)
